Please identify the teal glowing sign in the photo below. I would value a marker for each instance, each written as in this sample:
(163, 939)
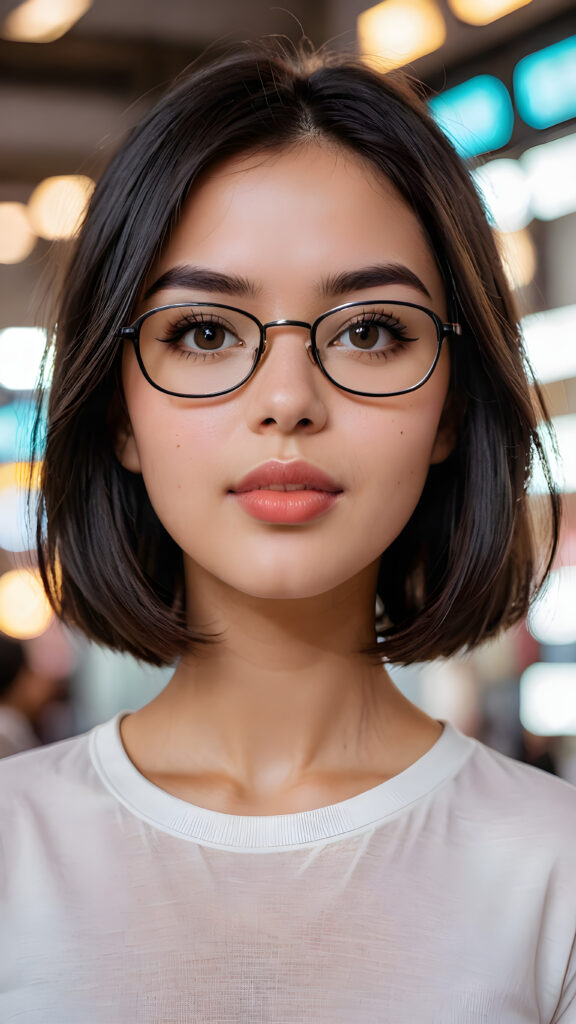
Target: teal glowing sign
(16, 425)
(545, 85)
(477, 115)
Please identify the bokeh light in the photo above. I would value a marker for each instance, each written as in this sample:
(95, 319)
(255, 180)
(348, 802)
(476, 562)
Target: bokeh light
(16, 526)
(505, 190)
(482, 12)
(17, 421)
(550, 170)
(518, 254)
(477, 115)
(21, 351)
(550, 341)
(548, 699)
(17, 239)
(551, 619)
(399, 31)
(43, 21)
(58, 204)
(563, 462)
(545, 85)
(24, 608)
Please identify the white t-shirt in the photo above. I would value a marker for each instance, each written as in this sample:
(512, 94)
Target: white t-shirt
(16, 733)
(445, 895)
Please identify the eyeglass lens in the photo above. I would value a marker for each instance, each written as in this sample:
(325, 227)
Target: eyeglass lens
(375, 347)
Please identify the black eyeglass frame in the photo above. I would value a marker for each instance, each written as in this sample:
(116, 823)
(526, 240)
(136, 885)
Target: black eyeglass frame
(132, 333)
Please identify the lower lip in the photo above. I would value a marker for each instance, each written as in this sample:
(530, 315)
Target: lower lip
(286, 506)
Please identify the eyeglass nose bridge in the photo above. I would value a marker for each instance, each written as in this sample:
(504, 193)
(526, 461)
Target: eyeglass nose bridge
(310, 347)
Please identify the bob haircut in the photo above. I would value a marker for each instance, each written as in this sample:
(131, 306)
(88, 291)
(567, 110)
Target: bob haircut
(469, 560)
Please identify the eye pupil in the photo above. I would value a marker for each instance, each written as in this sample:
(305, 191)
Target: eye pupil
(365, 333)
(209, 336)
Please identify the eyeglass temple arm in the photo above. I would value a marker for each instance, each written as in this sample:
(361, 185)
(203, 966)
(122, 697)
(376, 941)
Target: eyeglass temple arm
(452, 328)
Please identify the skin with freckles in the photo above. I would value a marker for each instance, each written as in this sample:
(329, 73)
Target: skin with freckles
(284, 714)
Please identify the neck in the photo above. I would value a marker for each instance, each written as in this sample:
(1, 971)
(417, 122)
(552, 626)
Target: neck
(284, 697)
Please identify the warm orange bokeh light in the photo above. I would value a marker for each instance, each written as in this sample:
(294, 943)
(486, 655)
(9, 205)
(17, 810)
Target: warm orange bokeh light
(482, 12)
(395, 32)
(17, 239)
(24, 608)
(43, 21)
(57, 205)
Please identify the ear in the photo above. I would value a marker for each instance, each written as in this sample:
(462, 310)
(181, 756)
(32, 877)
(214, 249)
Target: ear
(448, 428)
(126, 448)
(123, 440)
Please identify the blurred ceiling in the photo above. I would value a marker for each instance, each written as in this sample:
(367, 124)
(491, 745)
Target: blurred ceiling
(64, 105)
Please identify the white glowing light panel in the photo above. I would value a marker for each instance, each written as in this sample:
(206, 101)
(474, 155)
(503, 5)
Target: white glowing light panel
(541, 183)
(564, 469)
(21, 350)
(551, 174)
(505, 190)
(548, 699)
(552, 618)
(550, 340)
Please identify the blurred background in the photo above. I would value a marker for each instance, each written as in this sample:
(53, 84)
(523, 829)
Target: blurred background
(501, 80)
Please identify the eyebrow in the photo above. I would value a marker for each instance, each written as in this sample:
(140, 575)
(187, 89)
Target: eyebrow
(371, 277)
(206, 280)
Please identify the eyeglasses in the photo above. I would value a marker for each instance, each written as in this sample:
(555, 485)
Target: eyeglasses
(205, 349)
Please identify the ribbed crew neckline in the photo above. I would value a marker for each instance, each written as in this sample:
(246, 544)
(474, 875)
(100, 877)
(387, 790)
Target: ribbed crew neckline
(268, 833)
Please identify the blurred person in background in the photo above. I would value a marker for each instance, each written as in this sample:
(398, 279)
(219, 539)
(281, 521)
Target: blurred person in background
(290, 440)
(19, 698)
(539, 751)
(34, 708)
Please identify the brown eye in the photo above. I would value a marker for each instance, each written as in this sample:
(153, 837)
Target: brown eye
(209, 336)
(364, 335)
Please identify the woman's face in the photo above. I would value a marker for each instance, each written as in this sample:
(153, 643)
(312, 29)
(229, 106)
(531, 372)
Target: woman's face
(285, 222)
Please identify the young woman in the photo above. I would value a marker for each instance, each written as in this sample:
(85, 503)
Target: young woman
(288, 390)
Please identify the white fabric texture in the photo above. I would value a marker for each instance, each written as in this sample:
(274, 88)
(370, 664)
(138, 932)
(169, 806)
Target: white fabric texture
(445, 895)
(16, 733)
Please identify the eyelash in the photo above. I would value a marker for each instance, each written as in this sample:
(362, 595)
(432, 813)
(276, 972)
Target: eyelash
(381, 320)
(395, 326)
(177, 329)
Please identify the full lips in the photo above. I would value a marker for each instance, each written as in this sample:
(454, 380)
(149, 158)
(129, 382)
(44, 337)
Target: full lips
(286, 506)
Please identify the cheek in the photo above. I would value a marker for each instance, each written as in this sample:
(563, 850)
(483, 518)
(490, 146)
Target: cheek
(395, 449)
(176, 451)
(395, 464)
(178, 460)
(177, 448)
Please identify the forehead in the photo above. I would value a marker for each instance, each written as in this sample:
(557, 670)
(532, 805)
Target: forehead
(295, 215)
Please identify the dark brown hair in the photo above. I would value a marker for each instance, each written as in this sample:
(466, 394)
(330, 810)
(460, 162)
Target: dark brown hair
(12, 661)
(467, 563)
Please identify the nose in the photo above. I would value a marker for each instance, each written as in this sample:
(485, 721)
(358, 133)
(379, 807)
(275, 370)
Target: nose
(288, 390)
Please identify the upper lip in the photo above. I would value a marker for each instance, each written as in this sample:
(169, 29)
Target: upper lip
(283, 473)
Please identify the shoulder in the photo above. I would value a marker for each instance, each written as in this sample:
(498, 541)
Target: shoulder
(518, 777)
(16, 733)
(31, 776)
(47, 801)
(520, 799)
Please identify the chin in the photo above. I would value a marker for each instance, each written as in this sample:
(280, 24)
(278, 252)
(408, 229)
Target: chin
(296, 578)
(285, 574)
(281, 591)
